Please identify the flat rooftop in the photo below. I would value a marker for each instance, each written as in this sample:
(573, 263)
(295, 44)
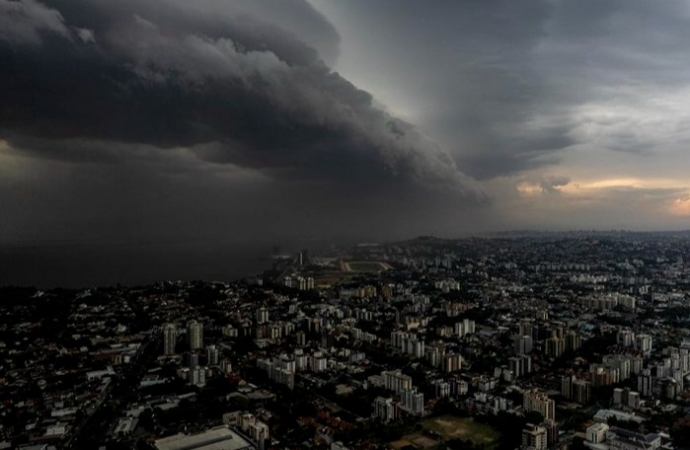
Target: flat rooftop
(219, 438)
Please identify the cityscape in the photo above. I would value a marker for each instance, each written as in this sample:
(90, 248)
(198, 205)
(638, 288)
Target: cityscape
(344, 225)
(520, 340)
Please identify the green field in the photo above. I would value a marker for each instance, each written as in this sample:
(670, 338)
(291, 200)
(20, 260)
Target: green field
(365, 266)
(462, 428)
(451, 427)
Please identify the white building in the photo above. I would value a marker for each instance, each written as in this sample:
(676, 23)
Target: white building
(442, 389)
(169, 338)
(396, 381)
(212, 355)
(465, 327)
(221, 438)
(197, 376)
(317, 363)
(338, 446)
(462, 387)
(643, 343)
(261, 315)
(645, 383)
(384, 409)
(523, 345)
(596, 434)
(452, 362)
(626, 338)
(534, 437)
(620, 439)
(520, 365)
(195, 334)
(412, 401)
(254, 428)
(539, 402)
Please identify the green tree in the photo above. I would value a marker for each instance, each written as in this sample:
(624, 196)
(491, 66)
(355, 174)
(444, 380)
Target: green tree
(146, 419)
(578, 444)
(680, 433)
(460, 444)
(534, 417)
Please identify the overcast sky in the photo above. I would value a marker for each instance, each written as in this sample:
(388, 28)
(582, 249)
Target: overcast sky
(178, 121)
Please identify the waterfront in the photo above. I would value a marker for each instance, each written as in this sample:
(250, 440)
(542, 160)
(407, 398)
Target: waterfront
(80, 265)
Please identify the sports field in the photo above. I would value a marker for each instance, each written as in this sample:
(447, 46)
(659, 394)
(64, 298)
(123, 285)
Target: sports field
(363, 266)
(462, 428)
(450, 427)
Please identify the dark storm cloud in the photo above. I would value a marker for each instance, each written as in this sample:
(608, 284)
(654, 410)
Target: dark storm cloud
(482, 84)
(23, 21)
(617, 68)
(511, 86)
(598, 44)
(208, 76)
(191, 119)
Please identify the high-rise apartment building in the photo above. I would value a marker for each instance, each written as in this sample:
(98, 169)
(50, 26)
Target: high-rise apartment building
(412, 401)
(212, 355)
(539, 402)
(523, 344)
(396, 381)
(573, 341)
(643, 343)
(534, 437)
(169, 338)
(520, 365)
(195, 334)
(385, 409)
(452, 362)
(555, 347)
(467, 326)
(625, 338)
(261, 315)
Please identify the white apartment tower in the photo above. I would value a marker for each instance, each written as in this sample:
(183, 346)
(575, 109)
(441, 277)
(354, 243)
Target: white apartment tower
(396, 381)
(523, 345)
(643, 343)
(384, 409)
(169, 338)
(534, 437)
(195, 334)
(412, 401)
(539, 402)
(261, 315)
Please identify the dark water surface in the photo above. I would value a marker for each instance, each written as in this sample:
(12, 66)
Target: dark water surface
(83, 265)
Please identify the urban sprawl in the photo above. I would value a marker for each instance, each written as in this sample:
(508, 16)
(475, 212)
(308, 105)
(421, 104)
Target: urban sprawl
(526, 341)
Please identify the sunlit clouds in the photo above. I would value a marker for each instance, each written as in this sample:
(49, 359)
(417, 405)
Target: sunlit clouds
(680, 207)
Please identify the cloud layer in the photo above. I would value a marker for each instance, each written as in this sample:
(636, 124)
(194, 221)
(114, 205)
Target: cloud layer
(520, 94)
(232, 87)
(139, 120)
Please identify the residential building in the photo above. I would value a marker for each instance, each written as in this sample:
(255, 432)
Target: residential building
(195, 334)
(385, 409)
(539, 402)
(169, 339)
(534, 437)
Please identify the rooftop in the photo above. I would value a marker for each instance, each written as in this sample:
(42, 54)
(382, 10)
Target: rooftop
(219, 438)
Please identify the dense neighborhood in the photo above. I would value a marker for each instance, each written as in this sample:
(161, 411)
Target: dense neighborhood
(520, 340)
